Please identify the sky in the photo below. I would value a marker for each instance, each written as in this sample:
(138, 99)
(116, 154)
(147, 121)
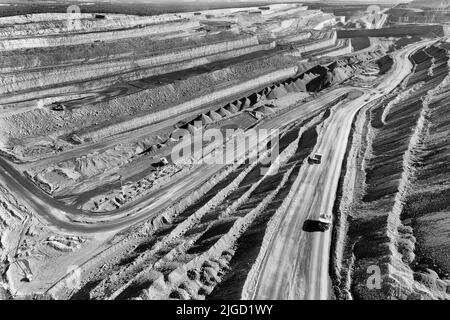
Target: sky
(227, 1)
(241, 1)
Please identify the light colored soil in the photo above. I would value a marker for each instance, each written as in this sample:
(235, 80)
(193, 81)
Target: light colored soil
(387, 227)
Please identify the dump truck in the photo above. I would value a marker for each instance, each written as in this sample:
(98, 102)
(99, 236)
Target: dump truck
(161, 163)
(315, 159)
(322, 224)
(324, 221)
(57, 106)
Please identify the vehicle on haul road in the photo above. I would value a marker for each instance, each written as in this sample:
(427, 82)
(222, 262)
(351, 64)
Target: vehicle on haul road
(325, 218)
(322, 224)
(324, 221)
(57, 106)
(315, 159)
(161, 163)
(164, 161)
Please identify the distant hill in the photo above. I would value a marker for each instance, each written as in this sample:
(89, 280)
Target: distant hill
(429, 4)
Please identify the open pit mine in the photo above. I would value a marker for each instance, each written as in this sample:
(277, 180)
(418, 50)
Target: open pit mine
(264, 151)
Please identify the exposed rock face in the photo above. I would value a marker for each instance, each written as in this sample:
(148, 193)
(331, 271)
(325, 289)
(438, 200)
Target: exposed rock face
(51, 76)
(55, 24)
(67, 40)
(381, 255)
(91, 116)
(157, 116)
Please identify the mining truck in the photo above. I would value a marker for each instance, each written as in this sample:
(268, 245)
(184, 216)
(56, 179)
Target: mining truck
(315, 159)
(324, 221)
(57, 106)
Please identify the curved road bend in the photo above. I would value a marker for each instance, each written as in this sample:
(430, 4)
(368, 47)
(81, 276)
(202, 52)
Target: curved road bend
(70, 219)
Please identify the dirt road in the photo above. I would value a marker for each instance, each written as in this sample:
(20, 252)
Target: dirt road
(295, 265)
(58, 215)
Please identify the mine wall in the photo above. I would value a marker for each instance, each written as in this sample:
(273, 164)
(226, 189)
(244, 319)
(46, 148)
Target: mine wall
(179, 247)
(42, 78)
(18, 60)
(87, 166)
(213, 253)
(195, 103)
(76, 91)
(201, 202)
(342, 48)
(299, 37)
(210, 262)
(73, 39)
(374, 214)
(48, 17)
(90, 24)
(396, 31)
(207, 241)
(13, 217)
(314, 79)
(43, 121)
(425, 197)
(315, 45)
